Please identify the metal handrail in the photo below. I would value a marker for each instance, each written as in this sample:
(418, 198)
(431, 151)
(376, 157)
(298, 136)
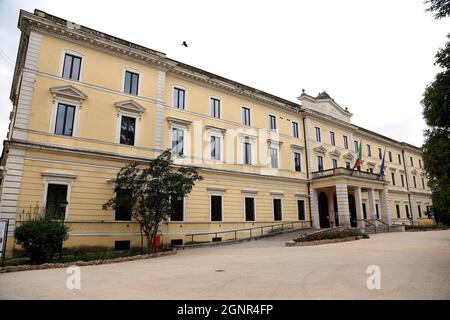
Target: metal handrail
(369, 221)
(235, 231)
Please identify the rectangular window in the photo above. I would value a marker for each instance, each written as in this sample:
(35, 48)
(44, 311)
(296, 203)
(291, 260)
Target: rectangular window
(393, 178)
(420, 164)
(131, 83)
(127, 130)
(295, 129)
(215, 147)
(216, 208)
(356, 146)
(347, 165)
(247, 153)
(369, 151)
(380, 155)
(411, 160)
(56, 203)
(423, 183)
(407, 210)
(297, 161)
(397, 208)
(177, 209)
(414, 181)
(371, 170)
(320, 163)
(277, 216)
(177, 141)
(376, 211)
(249, 209)
(419, 209)
(214, 108)
(345, 142)
(332, 138)
(402, 178)
(123, 205)
(390, 156)
(318, 137)
(72, 67)
(246, 116)
(179, 98)
(272, 122)
(274, 158)
(301, 209)
(399, 159)
(364, 210)
(122, 245)
(65, 117)
(335, 163)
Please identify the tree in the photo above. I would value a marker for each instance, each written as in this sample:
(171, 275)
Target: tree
(436, 111)
(441, 8)
(150, 191)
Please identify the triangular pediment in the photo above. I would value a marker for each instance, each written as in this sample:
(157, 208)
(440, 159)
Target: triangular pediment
(68, 92)
(130, 105)
(335, 153)
(320, 149)
(324, 104)
(349, 156)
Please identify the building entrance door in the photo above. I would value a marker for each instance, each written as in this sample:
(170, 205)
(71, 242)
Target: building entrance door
(323, 211)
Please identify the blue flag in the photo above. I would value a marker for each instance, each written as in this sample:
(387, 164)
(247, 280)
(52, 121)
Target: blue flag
(382, 163)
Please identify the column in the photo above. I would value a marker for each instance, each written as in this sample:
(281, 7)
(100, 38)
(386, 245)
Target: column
(331, 208)
(315, 209)
(372, 210)
(342, 202)
(384, 206)
(413, 210)
(359, 208)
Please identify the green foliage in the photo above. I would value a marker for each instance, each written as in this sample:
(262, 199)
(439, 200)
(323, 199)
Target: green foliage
(436, 112)
(331, 234)
(427, 227)
(152, 189)
(41, 238)
(441, 8)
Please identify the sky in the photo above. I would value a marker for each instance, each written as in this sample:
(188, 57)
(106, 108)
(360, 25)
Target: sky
(373, 57)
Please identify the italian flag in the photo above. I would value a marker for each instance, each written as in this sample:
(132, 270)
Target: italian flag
(358, 161)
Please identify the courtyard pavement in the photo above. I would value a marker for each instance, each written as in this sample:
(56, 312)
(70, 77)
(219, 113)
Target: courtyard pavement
(413, 265)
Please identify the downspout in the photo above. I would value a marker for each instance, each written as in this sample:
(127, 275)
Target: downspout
(407, 187)
(307, 172)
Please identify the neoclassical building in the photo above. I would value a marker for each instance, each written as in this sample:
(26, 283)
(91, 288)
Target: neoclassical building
(86, 103)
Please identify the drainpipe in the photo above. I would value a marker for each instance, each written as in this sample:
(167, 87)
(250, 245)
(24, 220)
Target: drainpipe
(407, 187)
(307, 171)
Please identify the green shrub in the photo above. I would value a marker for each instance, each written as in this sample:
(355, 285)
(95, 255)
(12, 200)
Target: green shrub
(41, 238)
(439, 226)
(331, 234)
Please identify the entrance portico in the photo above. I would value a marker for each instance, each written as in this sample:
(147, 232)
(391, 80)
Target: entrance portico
(336, 196)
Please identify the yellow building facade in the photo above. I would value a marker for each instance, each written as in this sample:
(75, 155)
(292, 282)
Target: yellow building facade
(86, 103)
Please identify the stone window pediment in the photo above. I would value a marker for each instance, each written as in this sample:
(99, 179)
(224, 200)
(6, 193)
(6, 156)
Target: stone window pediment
(68, 92)
(335, 153)
(320, 149)
(349, 156)
(297, 147)
(179, 121)
(129, 106)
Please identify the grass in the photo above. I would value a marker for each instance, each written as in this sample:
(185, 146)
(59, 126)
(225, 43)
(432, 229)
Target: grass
(331, 234)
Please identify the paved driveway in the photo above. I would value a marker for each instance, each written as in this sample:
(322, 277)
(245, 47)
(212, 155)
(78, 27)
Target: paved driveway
(413, 266)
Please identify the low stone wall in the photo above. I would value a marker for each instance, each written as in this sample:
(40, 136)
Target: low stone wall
(27, 267)
(319, 242)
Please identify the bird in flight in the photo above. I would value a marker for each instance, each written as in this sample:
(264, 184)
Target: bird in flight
(184, 44)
